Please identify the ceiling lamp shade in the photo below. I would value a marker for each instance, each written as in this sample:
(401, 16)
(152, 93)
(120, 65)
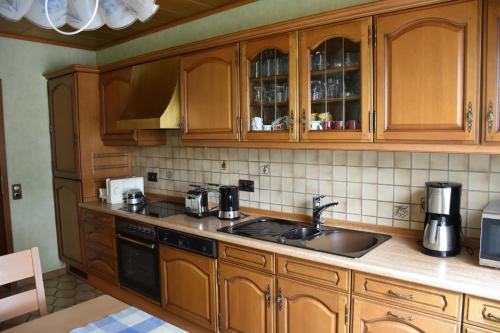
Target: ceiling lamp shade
(116, 14)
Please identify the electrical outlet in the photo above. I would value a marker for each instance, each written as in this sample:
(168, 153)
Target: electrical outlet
(223, 166)
(401, 212)
(265, 169)
(169, 174)
(152, 177)
(246, 185)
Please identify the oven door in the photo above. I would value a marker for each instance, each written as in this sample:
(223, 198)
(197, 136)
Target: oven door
(138, 266)
(490, 242)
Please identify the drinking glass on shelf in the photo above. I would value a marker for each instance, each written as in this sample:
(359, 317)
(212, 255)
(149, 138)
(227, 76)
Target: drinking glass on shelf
(256, 69)
(317, 90)
(269, 94)
(269, 69)
(348, 59)
(318, 60)
(258, 94)
(334, 87)
(280, 94)
(281, 65)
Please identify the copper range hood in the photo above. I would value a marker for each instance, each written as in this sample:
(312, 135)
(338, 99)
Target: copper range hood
(154, 100)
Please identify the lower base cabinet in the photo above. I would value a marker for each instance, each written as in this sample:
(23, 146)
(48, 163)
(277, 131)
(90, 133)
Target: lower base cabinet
(247, 300)
(374, 317)
(307, 308)
(188, 283)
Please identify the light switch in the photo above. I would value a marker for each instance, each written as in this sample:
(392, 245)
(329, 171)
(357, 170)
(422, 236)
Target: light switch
(17, 192)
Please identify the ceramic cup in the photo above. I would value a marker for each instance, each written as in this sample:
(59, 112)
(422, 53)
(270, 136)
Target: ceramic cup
(268, 127)
(338, 124)
(257, 124)
(352, 124)
(316, 125)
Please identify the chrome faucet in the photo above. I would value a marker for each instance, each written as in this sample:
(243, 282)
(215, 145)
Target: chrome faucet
(318, 209)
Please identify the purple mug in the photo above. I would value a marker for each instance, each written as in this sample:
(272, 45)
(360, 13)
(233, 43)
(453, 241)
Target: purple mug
(352, 124)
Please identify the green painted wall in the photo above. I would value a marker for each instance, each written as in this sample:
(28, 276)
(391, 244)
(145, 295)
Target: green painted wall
(252, 15)
(27, 138)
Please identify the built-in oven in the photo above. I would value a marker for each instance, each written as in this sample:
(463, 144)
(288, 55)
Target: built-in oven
(138, 265)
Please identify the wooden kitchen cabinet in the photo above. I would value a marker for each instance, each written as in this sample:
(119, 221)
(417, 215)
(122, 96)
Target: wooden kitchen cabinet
(63, 114)
(67, 194)
(491, 128)
(269, 88)
(427, 66)
(336, 84)
(482, 312)
(115, 88)
(473, 329)
(209, 94)
(374, 317)
(188, 283)
(247, 300)
(307, 308)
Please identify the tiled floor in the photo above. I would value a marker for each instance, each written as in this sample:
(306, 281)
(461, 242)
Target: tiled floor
(61, 289)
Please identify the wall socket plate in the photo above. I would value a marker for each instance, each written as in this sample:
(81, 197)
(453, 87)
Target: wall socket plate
(246, 185)
(17, 192)
(152, 177)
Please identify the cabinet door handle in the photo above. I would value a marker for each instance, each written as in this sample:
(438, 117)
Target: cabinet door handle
(398, 295)
(292, 120)
(303, 120)
(279, 299)
(469, 117)
(401, 318)
(490, 117)
(268, 295)
(492, 317)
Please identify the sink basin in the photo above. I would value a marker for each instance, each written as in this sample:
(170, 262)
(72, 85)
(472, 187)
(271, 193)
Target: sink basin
(342, 241)
(302, 233)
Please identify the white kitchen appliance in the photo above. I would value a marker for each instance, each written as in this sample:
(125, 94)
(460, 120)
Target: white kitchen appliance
(489, 253)
(116, 188)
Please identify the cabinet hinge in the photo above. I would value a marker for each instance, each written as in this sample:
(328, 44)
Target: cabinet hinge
(346, 317)
(369, 36)
(218, 275)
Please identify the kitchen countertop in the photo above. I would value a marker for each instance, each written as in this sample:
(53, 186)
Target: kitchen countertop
(399, 257)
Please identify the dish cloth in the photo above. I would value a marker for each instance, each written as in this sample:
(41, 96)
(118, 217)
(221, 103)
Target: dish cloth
(131, 320)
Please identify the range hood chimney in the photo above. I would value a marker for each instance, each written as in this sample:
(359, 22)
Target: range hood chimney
(154, 100)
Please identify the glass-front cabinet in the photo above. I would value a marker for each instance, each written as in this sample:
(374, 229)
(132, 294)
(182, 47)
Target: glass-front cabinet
(335, 65)
(491, 128)
(269, 88)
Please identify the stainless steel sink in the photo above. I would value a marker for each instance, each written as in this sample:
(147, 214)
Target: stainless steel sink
(344, 242)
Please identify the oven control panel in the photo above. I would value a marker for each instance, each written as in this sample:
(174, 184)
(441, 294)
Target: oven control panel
(196, 244)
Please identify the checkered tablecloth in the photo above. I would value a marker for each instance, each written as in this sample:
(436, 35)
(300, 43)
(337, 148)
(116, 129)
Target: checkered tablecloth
(131, 320)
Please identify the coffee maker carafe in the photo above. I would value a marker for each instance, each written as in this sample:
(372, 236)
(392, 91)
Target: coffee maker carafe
(443, 222)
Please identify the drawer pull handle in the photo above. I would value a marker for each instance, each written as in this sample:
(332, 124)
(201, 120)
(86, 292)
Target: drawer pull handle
(492, 317)
(395, 316)
(398, 295)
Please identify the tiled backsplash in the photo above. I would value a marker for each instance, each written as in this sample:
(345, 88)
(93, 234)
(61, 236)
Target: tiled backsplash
(383, 188)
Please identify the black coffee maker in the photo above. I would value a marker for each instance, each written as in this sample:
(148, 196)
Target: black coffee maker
(443, 222)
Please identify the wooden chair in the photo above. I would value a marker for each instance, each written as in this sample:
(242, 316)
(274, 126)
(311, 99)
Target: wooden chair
(18, 266)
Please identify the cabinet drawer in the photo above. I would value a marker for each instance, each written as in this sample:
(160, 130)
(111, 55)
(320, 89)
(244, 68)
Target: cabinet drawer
(474, 329)
(249, 257)
(441, 302)
(101, 265)
(97, 217)
(482, 312)
(375, 317)
(330, 276)
(100, 236)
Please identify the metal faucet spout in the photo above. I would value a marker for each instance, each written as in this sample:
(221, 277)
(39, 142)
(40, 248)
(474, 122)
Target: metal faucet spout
(317, 211)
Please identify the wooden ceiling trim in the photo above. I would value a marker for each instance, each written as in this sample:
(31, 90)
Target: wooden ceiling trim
(180, 21)
(46, 41)
(314, 20)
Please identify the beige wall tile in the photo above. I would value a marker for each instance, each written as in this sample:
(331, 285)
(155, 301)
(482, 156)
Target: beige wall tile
(339, 158)
(459, 162)
(386, 159)
(420, 161)
(402, 160)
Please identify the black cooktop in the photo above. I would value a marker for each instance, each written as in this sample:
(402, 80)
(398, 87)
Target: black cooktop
(155, 209)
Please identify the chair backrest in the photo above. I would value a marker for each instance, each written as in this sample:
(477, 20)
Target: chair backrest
(18, 266)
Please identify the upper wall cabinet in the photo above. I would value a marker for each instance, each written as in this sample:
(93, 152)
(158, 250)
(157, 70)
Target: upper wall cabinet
(63, 114)
(209, 94)
(335, 67)
(427, 66)
(491, 128)
(269, 89)
(115, 91)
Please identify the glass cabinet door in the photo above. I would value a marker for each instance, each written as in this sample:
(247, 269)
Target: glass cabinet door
(335, 84)
(269, 88)
(491, 127)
